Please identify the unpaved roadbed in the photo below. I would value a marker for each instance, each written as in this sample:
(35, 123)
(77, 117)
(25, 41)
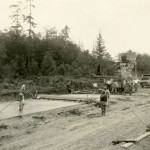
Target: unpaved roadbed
(78, 127)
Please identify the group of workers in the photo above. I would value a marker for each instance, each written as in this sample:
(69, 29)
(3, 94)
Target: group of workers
(123, 86)
(111, 86)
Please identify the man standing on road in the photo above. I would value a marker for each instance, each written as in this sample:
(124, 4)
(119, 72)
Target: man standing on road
(21, 100)
(103, 101)
(21, 103)
(114, 87)
(22, 88)
(95, 88)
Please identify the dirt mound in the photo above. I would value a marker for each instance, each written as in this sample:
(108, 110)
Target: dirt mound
(74, 112)
(3, 126)
(5, 137)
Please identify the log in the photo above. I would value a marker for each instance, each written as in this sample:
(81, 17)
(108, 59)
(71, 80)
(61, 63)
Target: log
(137, 140)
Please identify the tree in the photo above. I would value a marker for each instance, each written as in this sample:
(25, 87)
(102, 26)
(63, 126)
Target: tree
(143, 64)
(86, 61)
(34, 68)
(2, 54)
(61, 70)
(48, 64)
(29, 18)
(99, 50)
(65, 33)
(15, 52)
(16, 17)
(99, 53)
(104, 62)
(51, 33)
(98, 69)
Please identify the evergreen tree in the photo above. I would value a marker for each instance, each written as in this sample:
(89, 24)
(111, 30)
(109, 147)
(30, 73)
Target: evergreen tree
(65, 33)
(16, 17)
(29, 18)
(48, 64)
(99, 50)
(99, 53)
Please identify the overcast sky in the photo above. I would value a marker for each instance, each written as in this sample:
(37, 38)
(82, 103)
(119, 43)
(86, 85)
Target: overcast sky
(124, 24)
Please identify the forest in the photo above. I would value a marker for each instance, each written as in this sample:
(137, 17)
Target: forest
(25, 54)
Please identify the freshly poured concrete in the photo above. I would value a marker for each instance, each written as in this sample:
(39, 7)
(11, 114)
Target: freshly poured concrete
(71, 97)
(31, 106)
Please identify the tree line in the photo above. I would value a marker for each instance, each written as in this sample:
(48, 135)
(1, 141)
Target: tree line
(53, 53)
(26, 53)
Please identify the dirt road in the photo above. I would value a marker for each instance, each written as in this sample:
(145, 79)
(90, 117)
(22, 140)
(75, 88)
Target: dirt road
(78, 127)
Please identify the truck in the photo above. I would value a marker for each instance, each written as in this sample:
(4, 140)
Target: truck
(145, 80)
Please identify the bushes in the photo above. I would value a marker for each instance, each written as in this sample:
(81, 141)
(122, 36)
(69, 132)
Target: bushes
(43, 85)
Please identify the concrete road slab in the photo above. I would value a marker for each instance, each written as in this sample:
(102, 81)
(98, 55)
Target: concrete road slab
(71, 97)
(31, 106)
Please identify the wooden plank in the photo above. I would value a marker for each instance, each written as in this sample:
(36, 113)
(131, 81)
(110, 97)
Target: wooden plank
(137, 140)
(143, 136)
(127, 145)
(120, 141)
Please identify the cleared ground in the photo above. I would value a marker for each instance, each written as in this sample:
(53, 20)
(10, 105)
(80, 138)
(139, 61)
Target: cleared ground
(79, 127)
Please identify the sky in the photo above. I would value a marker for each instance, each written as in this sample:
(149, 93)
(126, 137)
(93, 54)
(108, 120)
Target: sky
(124, 24)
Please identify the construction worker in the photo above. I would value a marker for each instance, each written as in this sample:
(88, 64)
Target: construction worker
(22, 88)
(130, 89)
(21, 103)
(123, 84)
(103, 101)
(69, 87)
(36, 94)
(108, 84)
(21, 100)
(136, 84)
(107, 93)
(95, 88)
(114, 87)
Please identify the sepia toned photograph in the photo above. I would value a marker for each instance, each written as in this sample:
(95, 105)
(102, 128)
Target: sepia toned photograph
(74, 74)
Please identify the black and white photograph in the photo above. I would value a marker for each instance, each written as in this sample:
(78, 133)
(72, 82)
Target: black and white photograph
(74, 74)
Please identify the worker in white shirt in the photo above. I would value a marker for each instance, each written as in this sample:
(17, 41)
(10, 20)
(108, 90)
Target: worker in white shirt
(21, 100)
